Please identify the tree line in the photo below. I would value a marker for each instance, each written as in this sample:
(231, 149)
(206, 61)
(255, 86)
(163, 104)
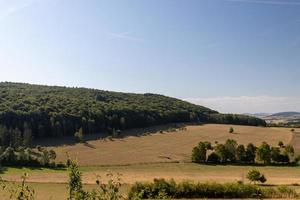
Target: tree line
(33, 111)
(232, 152)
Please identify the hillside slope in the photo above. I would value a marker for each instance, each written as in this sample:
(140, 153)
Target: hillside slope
(54, 111)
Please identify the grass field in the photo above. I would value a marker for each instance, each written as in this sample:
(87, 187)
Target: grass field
(54, 191)
(51, 184)
(147, 172)
(163, 147)
(157, 155)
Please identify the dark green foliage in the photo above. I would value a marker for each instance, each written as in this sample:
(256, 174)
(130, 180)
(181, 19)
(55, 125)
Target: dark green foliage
(162, 189)
(227, 151)
(56, 111)
(241, 155)
(237, 119)
(27, 135)
(250, 153)
(231, 130)
(275, 154)
(213, 158)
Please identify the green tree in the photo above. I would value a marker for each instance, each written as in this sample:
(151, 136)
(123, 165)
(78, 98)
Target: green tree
(230, 146)
(275, 154)
(231, 130)
(199, 152)
(264, 153)
(250, 153)
(241, 153)
(220, 150)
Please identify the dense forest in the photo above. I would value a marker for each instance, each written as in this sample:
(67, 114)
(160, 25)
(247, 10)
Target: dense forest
(31, 111)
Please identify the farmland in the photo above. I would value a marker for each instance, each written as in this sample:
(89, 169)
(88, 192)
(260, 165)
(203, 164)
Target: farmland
(145, 154)
(149, 146)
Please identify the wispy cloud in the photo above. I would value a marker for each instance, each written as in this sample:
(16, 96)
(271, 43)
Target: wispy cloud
(124, 35)
(269, 2)
(15, 7)
(249, 104)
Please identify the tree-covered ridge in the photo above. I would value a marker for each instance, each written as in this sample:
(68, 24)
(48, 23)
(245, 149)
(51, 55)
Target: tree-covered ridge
(52, 110)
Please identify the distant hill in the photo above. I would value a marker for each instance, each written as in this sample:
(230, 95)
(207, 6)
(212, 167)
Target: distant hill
(283, 118)
(56, 111)
(285, 114)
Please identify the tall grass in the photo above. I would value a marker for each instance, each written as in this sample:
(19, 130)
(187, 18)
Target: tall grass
(162, 189)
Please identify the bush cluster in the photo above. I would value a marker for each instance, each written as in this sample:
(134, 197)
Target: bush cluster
(162, 189)
(232, 152)
(109, 191)
(22, 156)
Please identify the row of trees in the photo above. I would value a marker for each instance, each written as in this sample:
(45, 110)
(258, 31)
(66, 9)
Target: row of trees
(57, 111)
(21, 156)
(232, 152)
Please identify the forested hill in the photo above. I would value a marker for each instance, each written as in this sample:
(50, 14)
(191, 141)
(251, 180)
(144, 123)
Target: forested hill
(52, 111)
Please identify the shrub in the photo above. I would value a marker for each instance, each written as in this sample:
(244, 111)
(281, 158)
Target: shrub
(187, 189)
(109, 191)
(280, 144)
(256, 176)
(231, 130)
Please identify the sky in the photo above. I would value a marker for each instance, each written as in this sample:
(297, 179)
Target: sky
(234, 56)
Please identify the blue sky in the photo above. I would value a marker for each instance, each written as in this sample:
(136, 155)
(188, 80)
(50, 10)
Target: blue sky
(231, 55)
